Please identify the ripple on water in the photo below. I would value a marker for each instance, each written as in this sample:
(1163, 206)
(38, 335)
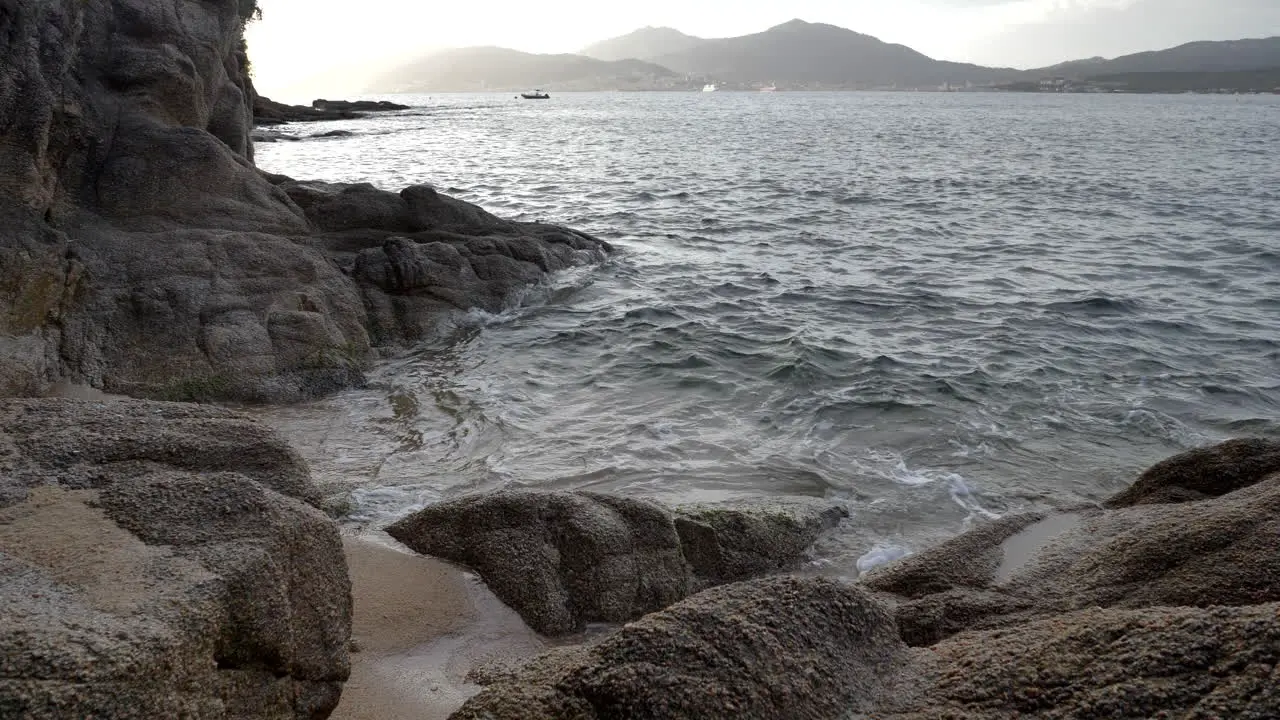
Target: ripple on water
(940, 308)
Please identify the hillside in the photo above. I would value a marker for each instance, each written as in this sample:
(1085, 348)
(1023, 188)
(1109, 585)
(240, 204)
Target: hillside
(1267, 80)
(802, 54)
(647, 42)
(499, 69)
(794, 56)
(1196, 57)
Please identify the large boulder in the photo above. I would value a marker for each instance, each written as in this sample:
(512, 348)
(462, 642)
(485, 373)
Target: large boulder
(1100, 664)
(1203, 473)
(781, 647)
(143, 252)
(559, 559)
(163, 560)
(1216, 551)
(564, 559)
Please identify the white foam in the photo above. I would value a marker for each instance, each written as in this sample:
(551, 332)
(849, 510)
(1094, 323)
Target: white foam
(379, 505)
(881, 554)
(965, 498)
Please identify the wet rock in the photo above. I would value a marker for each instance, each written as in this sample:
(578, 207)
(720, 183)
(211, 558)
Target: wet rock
(1203, 473)
(969, 561)
(163, 560)
(564, 559)
(727, 542)
(1216, 551)
(772, 648)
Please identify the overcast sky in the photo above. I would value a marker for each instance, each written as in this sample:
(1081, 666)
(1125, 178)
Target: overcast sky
(305, 46)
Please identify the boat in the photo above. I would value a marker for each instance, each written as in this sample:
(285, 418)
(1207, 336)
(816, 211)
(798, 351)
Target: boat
(535, 95)
(709, 87)
(769, 88)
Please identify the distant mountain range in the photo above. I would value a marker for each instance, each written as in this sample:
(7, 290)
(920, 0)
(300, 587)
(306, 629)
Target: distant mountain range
(802, 54)
(478, 69)
(795, 55)
(1196, 57)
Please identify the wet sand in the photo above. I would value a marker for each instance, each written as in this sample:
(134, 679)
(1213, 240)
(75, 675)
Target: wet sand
(420, 625)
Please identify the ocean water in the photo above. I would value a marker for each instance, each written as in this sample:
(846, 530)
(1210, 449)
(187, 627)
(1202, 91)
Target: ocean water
(935, 308)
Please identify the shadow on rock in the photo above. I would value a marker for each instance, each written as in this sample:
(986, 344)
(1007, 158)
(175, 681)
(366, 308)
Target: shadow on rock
(564, 559)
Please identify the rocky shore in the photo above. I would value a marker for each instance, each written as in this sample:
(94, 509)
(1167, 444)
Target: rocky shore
(145, 254)
(1165, 602)
(168, 559)
(268, 112)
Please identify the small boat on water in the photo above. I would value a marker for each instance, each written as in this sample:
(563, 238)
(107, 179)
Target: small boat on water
(709, 87)
(535, 95)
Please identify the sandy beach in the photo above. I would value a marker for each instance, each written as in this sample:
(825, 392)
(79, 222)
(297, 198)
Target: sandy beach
(419, 627)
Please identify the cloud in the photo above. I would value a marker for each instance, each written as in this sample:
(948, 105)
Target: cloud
(1073, 30)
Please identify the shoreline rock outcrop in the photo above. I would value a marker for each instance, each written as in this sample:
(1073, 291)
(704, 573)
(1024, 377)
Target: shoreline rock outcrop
(267, 112)
(1164, 602)
(143, 253)
(565, 559)
(163, 560)
(358, 105)
(1218, 550)
(779, 647)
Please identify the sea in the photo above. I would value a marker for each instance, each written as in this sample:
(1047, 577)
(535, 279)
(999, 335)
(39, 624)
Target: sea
(933, 308)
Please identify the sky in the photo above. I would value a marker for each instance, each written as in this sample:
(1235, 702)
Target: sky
(302, 48)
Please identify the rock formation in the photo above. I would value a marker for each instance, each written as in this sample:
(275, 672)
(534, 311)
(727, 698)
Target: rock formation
(143, 253)
(1215, 551)
(163, 560)
(268, 112)
(740, 540)
(773, 648)
(1164, 604)
(563, 559)
(358, 105)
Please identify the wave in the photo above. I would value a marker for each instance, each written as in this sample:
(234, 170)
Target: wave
(933, 331)
(1096, 305)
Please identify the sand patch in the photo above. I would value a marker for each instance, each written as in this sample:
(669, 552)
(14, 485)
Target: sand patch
(420, 626)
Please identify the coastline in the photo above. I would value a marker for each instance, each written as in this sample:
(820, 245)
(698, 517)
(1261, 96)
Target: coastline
(178, 559)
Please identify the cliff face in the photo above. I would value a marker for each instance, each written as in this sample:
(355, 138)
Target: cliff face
(143, 252)
(109, 106)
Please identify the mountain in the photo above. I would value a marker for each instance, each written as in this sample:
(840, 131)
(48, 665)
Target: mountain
(795, 55)
(800, 53)
(1196, 57)
(492, 68)
(647, 42)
